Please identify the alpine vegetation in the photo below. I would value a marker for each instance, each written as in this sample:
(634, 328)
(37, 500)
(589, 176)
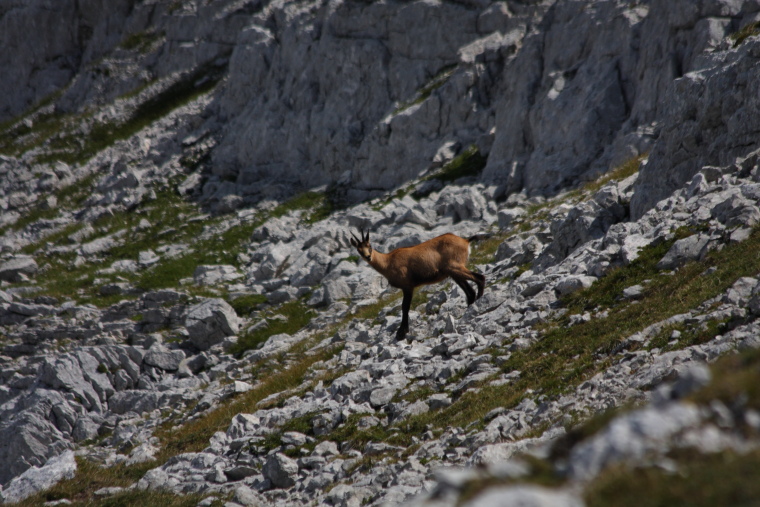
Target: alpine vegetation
(186, 318)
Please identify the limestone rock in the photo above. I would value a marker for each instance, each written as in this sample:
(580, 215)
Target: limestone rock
(281, 470)
(209, 322)
(18, 268)
(37, 479)
(161, 357)
(684, 250)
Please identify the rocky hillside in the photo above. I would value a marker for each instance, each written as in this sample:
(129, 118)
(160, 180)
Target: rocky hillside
(184, 322)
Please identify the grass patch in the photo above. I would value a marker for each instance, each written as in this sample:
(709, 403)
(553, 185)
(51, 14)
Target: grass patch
(621, 172)
(65, 140)
(468, 163)
(53, 238)
(483, 251)
(687, 335)
(195, 435)
(356, 438)
(244, 305)
(90, 477)
(705, 480)
(735, 377)
(36, 214)
(297, 316)
(140, 41)
(301, 424)
(740, 36)
(321, 205)
(424, 93)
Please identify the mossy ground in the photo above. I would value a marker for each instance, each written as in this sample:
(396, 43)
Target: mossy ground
(90, 477)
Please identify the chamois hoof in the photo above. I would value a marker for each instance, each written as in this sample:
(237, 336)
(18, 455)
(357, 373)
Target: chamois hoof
(401, 334)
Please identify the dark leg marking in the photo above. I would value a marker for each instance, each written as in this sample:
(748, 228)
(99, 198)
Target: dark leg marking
(481, 281)
(468, 291)
(405, 305)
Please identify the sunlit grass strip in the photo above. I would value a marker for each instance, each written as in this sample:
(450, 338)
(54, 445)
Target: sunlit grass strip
(91, 477)
(702, 480)
(740, 36)
(297, 316)
(195, 435)
(424, 93)
(735, 377)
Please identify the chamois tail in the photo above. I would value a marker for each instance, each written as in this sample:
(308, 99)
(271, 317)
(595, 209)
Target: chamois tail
(479, 237)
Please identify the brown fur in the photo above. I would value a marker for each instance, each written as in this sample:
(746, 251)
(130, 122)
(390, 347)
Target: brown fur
(430, 262)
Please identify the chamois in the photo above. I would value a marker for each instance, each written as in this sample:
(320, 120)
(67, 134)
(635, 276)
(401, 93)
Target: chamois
(430, 262)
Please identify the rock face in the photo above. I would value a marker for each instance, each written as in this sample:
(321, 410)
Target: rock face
(281, 470)
(417, 119)
(36, 479)
(551, 91)
(17, 269)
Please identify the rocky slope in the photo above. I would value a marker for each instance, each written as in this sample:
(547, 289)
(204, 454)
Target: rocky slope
(180, 304)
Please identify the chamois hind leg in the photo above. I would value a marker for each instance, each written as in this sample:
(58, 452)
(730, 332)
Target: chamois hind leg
(405, 305)
(468, 291)
(480, 280)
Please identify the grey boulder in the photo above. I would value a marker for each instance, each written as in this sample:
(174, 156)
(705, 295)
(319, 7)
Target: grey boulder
(18, 268)
(210, 322)
(280, 470)
(37, 479)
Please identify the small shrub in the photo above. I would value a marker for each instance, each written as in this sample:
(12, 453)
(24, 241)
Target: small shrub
(244, 305)
(468, 163)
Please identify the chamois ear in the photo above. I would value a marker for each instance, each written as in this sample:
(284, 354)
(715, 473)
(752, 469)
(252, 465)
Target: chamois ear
(354, 240)
(365, 238)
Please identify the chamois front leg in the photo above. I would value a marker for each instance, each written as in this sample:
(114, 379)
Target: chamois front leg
(405, 305)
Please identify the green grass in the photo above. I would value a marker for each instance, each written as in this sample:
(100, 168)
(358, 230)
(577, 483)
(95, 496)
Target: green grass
(705, 480)
(735, 377)
(169, 211)
(468, 163)
(423, 93)
(140, 41)
(297, 316)
(195, 435)
(244, 305)
(190, 437)
(64, 141)
(483, 251)
(619, 173)
(301, 424)
(740, 36)
(90, 477)
(689, 335)
(18, 136)
(320, 204)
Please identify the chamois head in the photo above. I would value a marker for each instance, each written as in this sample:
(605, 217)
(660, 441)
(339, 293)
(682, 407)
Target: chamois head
(363, 246)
